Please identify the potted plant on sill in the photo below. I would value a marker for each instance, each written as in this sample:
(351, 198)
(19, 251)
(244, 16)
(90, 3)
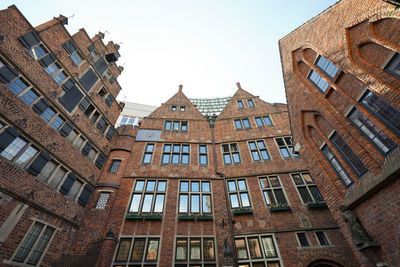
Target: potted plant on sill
(134, 216)
(241, 211)
(189, 217)
(279, 207)
(316, 205)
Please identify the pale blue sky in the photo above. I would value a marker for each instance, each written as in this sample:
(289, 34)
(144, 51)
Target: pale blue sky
(206, 45)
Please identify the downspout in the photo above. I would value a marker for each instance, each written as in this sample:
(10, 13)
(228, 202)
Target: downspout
(211, 120)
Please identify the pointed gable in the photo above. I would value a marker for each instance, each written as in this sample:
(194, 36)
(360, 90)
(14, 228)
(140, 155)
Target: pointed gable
(260, 107)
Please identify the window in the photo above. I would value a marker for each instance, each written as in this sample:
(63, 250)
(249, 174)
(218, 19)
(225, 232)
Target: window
(272, 190)
(322, 239)
(109, 100)
(75, 189)
(230, 153)
(34, 244)
(70, 47)
(148, 153)
(303, 240)
(175, 154)
(148, 196)
(242, 124)
(195, 197)
(137, 250)
(114, 165)
(173, 108)
(306, 187)
(285, 146)
(88, 80)
(198, 250)
(264, 120)
(55, 71)
(240, 104)
(102, 200)
(102, 92)
(238, 195)
(250, 102)
(11, 150)
(92, 50)
(256, 251)
(258, 150)
(176, 125)
(79, 142)
(326, 66)
(318, 81)
(348, 154)
(94, 117)
(29, 97)
(47, 171)
(112, 79)
(57, 122)
(381, 109)
(373, 133)
(346, 179)
(393, 67)
(203, 155)
(182, 108)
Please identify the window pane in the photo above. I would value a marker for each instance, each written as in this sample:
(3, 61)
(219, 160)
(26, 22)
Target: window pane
(303, 239)
(138, 249)
(242, 185)
(271, 198)
(268, 245)
(152, 249)
(250, 102)
(267, 121)
(184, 187)
(274, 181)
(195, 204)
(183, 203)
(284, 152)
(280, 196)
(29, 97)
(232, 186)
(195, 249)
(208, 246)
(181, 249)
(139, 186)
(264, 154)
(47, 114)
(40, 246)
(161, 186)
(185, 158)
(102, 200)
(241, 249)
(316, 194)
(151, 185)
(57, 178)
(177, 148)
(236, 157)
(75, 189)
(259, 121)
(159, 203)
(47, 170)
(206, 203)
(175, 159)
(148, 199)
(264, 183)
(260, 144)
(203, 149)
(28, 154)
(203, 160)
(245, 199)
(305, 196)
(17, 86)
(252, 145)
(238, 124)
(176, 125)
(28, 242)
(185, 148)
(246, 123)
(123, 250)
(205, 186)
(165, 158)
(227, 159)
(267, 200)
(149, 148)
(135, 203)
(195, 186)
(255, 155)
(234, 201)
(323, 241)
(254, 248)
(13, 149)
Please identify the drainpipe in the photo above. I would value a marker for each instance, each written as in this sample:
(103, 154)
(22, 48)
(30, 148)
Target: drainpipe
(211, 120)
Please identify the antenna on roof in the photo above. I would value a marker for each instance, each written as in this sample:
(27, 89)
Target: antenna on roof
(73, 15)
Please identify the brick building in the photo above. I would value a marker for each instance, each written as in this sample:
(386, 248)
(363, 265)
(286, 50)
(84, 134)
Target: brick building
(57, 117)
(342, 77)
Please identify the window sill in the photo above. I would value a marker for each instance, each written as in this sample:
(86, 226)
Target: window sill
(141, 217)
(279, 208)
(186, 217)
(134, 217)
(316, 205)
(153, 217)
(242, 211)
(205, 217)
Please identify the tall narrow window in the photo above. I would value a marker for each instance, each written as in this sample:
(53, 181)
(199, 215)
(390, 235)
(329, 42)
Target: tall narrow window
(393, 67)
(285, 146)
(240, 103)
(238, 194)
(383, 110)
(303, 240)
(102, 200)
(230, 153)
(272, 190)
(175, 154)
(348, 154)
(250, 102)
(318, 81)
(306, 187)
(203, 155)
(326, 66)
(114, 165)
(373, 133)
(322, 239)
(148, 196)
(258, 150)
(195, 197)
(148, 153)
(34, 244)
(336, 165)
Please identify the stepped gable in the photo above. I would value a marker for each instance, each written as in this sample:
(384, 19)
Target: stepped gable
(260, 107)
(179, 99)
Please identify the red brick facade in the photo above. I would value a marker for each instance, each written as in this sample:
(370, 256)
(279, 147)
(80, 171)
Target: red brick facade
(362, 39)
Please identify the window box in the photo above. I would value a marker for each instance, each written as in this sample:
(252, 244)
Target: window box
(242, 211)
(205, 217)
(279, 207)
(186, 217)
(134, 216)
(316, 205)
(153, 217)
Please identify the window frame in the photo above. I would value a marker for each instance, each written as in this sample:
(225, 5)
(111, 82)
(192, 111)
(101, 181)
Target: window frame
(307, 186)
(240, 103)
(272, 189)
(238, 193)
(242, 124)
(200, 193)
(203, 154)
(143, 262)
(265, 259)
(299, 241)
(111, 168)
(171, 153)
(99, 205)
(230, 153)
(287, 147)
(262, 119)
(258, 150)
(146, 152)
(180, 127)
(347, 185)
(144, 192)
(392, 64)
(188, 261)
(329, 243)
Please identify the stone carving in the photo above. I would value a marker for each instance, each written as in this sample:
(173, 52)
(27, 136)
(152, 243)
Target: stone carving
(21, 123)
(360, 237)
(75, 117)
(52, 147)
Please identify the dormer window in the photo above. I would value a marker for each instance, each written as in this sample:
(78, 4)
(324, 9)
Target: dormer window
(173, 108)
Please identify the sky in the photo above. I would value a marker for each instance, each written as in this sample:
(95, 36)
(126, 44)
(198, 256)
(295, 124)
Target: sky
(205, 45)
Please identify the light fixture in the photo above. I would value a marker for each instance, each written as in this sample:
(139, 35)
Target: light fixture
(227, 251)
